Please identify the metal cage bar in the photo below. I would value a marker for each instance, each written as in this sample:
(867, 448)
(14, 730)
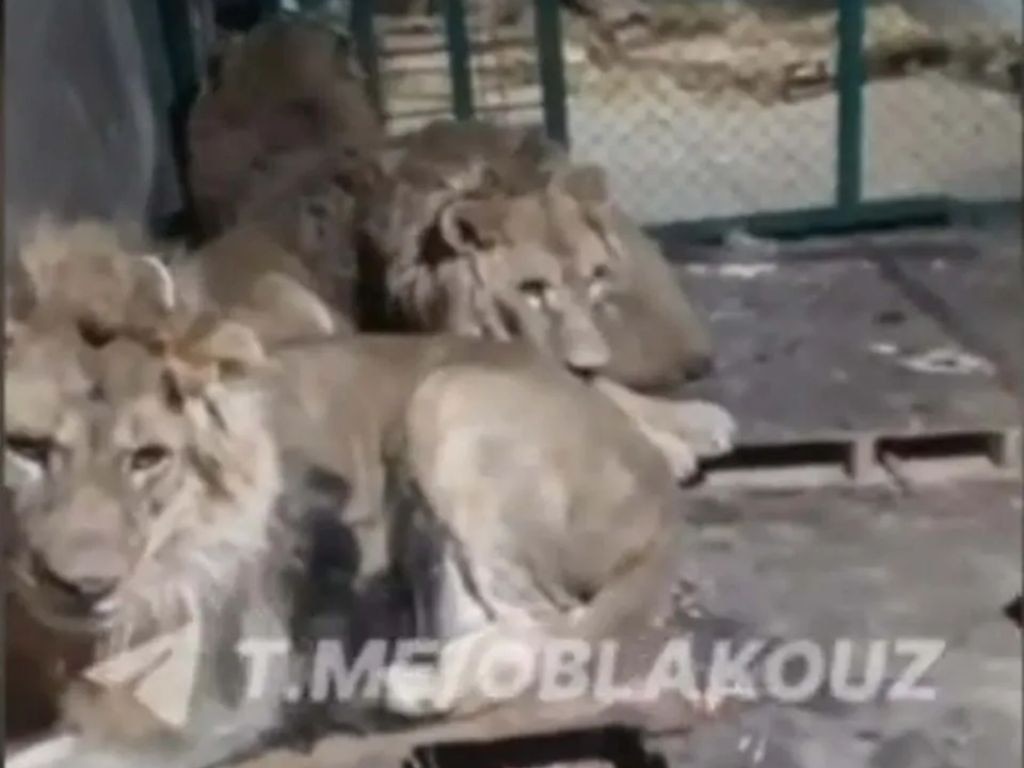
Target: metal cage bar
(851, 77)
(551, 68)
(848, 211)
(459, 69)
(364, 36)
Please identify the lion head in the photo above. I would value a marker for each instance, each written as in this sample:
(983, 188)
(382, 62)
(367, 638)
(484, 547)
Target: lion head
(529, 266)
(489, 231)
(139, 470)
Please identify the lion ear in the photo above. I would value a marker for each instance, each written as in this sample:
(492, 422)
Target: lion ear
(587, 184)
(154, 295)
(222, 352)
(41, 255)
(473, 224)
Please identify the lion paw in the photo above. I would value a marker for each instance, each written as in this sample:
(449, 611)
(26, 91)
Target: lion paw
(681, 458)
(708, 429)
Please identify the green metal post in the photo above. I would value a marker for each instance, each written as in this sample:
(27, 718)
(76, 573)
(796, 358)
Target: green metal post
(365, 37)
(458, 58)
(851, 77)
(551, 65)
(175, 29)
(177, 38)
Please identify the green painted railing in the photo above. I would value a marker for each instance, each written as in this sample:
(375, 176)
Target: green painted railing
(848, 211)
(548, 21)
(459, 53)
(851, 78)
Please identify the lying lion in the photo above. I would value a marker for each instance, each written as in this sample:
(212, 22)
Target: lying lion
(155, 467)
(490, 231)
(243, 270)
(453, 220)
(279, 137)
(462, 228)
(284, 87)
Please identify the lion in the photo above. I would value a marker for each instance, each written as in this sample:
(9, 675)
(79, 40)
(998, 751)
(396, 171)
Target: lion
(179, 435)
(281, 91)
(130, 518)
(462, 228)
(281, 142)
(491, 231)
(242, 271)
(447, 221)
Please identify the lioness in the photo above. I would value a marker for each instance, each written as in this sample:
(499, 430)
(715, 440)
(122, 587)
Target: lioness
(147, 471)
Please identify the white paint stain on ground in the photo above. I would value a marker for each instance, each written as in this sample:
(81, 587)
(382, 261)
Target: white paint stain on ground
(884, 348)
(746, 271)
(947, 360)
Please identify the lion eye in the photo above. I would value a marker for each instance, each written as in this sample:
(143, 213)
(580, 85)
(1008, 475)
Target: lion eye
(600, 273)
(32, 448)
(148, 456)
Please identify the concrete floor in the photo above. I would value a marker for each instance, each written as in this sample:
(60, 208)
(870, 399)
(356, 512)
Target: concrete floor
(867, 565)
(939, 560)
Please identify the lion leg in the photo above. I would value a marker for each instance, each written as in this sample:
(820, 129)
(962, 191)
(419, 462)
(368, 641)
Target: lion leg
(638, 596)
(499, 661)
(707, 427)
(472, 622)
(677, 453)
(708, 430)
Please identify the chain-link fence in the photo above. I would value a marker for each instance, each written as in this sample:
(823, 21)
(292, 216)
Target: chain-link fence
(777, 115)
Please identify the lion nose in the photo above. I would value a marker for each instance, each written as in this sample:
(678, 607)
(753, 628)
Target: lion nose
(90, 589)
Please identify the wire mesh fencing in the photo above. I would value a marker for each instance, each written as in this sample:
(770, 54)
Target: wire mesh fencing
(719, 111)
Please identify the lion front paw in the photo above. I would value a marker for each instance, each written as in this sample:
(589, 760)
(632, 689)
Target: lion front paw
(709, 429)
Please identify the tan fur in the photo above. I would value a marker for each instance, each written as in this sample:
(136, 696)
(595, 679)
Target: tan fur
(80, 269)
(236, 272)
(141, 481)
(520, 267)
(284, 87)
(465, 212)
(565, 495)
(465, 228)
(490, 232)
